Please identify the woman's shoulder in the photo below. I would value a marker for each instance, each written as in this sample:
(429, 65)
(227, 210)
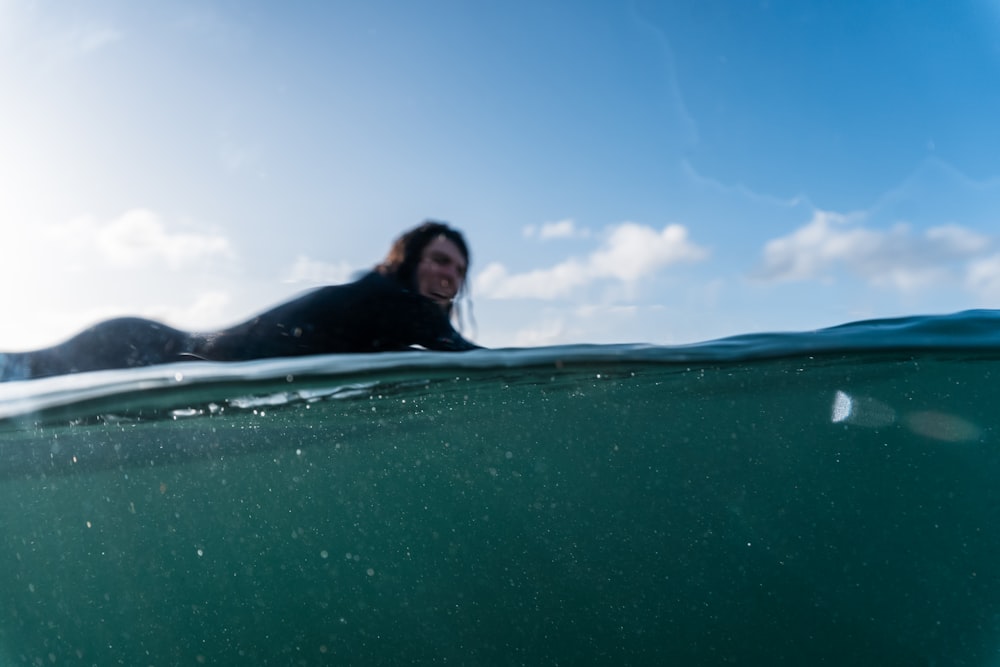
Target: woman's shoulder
(372, 289)
(371, 282)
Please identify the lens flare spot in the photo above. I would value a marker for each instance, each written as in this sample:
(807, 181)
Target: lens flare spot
(841, 407)
(942, 426)
(861, 411)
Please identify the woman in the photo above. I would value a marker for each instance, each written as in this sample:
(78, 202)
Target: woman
(406, 300)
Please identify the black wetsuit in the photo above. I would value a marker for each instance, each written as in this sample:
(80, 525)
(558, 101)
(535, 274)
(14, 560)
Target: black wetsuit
(373, 314)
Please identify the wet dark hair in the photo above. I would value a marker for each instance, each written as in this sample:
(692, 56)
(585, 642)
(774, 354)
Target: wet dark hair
(404, 256)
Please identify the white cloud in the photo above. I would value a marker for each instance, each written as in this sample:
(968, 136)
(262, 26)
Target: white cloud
(811, 250)
(629, 253)
(958, 239)
(70, 274)
(306, 270)
(210, 307)
(634, 251)
(563, 229)
(496, 283)
(548, 332)
(982, 276)
(563, 325)
(897, 257)
(137, 238)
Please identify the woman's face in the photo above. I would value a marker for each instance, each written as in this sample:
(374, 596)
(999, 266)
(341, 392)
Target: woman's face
(441, 271)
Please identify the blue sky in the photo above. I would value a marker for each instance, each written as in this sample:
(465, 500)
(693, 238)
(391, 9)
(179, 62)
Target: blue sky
(625, 170)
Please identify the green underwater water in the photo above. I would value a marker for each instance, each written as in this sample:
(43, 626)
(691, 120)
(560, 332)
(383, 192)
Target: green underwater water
(835, 509)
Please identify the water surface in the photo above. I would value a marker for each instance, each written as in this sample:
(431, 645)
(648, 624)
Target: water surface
(815, 498)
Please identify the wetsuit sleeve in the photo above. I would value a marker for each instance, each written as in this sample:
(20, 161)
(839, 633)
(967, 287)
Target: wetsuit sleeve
(422, 322)
(451, 341)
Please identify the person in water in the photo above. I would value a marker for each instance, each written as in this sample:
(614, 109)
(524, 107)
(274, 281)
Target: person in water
(406, 301)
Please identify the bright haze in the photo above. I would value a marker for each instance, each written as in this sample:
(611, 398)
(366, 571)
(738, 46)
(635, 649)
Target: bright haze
(625, 171)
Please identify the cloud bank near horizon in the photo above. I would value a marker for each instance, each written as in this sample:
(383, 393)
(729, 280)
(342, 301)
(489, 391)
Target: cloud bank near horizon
(898, 257)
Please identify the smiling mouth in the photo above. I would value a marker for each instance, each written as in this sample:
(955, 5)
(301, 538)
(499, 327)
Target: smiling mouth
(438, 296)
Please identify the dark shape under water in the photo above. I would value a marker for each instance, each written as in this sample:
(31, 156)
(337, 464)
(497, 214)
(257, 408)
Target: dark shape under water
(824, 498)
